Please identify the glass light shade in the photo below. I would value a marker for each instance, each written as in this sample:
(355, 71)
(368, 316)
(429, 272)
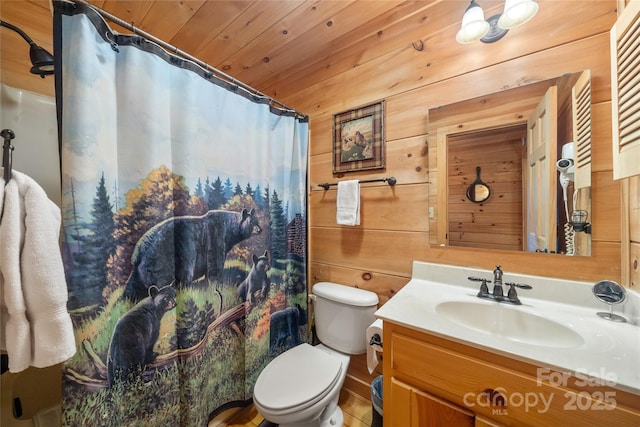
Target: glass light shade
(517, 12)
(474, 27)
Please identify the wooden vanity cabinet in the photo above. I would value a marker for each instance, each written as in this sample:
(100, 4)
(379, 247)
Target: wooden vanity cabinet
(416, 408)
(481, 421)
(432, 381)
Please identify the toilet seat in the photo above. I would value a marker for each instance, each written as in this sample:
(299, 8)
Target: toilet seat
(297, 379)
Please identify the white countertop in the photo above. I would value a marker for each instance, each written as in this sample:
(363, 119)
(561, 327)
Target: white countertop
(609, 352)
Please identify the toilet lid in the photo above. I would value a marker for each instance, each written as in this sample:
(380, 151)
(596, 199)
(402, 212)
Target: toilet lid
(298, 377)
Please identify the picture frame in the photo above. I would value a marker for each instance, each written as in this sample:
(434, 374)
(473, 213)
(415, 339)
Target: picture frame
(358, 139)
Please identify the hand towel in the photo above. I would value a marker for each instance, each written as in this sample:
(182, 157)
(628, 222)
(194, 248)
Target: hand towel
(36, 326)
(348, 202)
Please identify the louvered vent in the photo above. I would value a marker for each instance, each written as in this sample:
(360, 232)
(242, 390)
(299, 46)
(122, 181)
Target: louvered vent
(629, 86)
(582, 130)
(625, 36)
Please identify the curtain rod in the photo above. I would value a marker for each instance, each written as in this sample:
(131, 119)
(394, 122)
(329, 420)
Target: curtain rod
(174, 50)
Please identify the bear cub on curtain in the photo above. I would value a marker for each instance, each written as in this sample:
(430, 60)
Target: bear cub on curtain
(256, 280)
(136, 333)
(284, 328)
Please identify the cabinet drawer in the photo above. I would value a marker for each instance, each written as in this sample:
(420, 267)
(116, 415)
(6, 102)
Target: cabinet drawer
(503, 394)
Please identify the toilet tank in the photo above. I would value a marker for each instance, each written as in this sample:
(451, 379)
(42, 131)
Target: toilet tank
(342, 315)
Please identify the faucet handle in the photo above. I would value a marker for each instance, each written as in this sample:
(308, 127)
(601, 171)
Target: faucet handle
(484, 289)
(519, 285)
(512, 295)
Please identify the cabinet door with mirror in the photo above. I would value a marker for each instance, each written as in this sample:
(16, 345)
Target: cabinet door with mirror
(529, 150)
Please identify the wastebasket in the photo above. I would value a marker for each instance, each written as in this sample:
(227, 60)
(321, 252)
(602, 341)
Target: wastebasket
(376, 401)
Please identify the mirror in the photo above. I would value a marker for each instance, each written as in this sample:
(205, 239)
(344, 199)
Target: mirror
(610, 293)
(533, 147)
(478, 191)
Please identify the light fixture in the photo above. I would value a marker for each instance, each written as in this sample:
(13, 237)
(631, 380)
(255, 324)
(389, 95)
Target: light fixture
(517, 12)
(474, 27)
(41, 60)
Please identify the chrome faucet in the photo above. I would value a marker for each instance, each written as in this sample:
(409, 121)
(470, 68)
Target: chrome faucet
(497, 284)
(498, 294)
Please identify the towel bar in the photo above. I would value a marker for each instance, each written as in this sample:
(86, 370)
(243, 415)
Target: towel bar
(391, 181)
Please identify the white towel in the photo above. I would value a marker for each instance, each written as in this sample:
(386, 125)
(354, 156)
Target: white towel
(348, 203)
(36, 327)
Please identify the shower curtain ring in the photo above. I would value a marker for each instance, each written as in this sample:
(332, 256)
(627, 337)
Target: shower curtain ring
(114, 45)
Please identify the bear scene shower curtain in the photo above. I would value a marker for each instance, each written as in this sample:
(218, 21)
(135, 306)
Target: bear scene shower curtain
(184, 230)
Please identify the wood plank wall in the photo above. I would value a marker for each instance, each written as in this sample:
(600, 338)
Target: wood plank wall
(428, 69)
(497, 222)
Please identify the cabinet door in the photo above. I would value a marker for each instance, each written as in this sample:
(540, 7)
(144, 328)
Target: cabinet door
(625, 97)
(486, 422)
(542, 137)
(397, 406)
(415, 408)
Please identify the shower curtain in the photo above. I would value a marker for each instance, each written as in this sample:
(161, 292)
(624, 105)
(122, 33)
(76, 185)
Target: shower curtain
(184, 230)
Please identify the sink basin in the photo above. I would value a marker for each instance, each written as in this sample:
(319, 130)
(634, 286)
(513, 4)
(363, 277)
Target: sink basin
(509, 323)
(556, 326)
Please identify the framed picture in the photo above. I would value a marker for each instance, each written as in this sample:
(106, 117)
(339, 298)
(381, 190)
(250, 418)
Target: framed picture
(358, 139)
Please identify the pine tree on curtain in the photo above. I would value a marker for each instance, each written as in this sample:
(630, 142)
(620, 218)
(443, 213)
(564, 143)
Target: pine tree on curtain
(184, 230)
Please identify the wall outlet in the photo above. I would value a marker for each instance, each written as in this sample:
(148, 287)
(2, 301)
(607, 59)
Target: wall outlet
(431, 212)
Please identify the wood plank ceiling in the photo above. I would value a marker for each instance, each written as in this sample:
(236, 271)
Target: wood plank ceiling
(275, 46)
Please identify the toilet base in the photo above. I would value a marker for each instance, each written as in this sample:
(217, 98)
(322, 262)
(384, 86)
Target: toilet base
(335, 420)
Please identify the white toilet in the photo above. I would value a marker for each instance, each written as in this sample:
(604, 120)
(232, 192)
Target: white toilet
(301, 387)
